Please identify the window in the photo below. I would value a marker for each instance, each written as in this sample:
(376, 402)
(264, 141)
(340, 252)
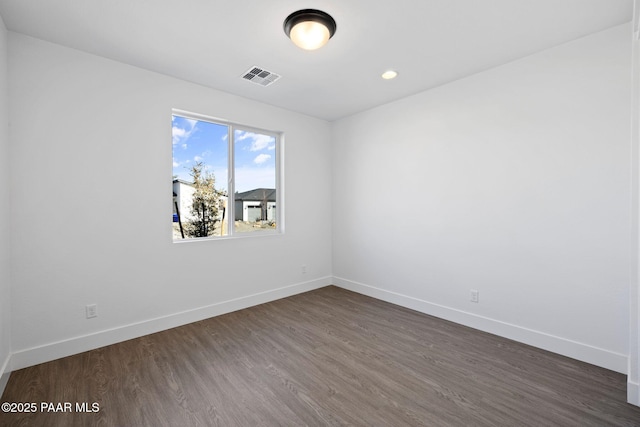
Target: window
(225, 178)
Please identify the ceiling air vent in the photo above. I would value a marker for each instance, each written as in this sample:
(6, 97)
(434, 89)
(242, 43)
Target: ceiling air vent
(260, 76)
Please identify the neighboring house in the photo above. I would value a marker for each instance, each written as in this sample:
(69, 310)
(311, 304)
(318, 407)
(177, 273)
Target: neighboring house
(255, 205)
(183, 196)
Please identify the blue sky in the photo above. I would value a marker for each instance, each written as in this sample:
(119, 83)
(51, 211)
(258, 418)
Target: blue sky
(199, 141)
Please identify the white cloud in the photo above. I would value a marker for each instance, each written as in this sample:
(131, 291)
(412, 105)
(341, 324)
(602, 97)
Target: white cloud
(182, 134)
(261, 158)
(258, 141)
(198, 159)
(178, 134)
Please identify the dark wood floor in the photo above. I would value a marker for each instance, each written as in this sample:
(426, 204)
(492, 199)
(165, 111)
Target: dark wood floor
(326, 357)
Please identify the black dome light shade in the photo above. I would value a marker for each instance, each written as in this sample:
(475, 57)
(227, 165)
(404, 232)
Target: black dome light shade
(309, 29)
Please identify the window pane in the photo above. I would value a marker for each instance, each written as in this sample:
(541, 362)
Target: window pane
(200, 178)
(255, 181)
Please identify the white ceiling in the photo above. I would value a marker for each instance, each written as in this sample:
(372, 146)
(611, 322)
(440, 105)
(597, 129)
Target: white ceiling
(213, 42)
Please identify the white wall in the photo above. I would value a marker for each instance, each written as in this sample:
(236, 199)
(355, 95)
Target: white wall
(92, 136)
(518, 185)
(5, 289)
(633, 372)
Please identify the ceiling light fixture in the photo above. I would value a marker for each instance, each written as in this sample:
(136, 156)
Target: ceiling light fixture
(309, 29)
(390, 74)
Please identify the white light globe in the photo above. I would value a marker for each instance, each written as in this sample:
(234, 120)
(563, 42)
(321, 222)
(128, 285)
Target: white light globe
(309, 35)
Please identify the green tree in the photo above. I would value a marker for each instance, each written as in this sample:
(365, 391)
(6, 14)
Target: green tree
(205, 203)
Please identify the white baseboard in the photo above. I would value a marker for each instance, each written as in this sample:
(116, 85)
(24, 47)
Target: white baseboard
(51, 351)
(586, 353)
(4, 373)
(633, 393)
(48, 352)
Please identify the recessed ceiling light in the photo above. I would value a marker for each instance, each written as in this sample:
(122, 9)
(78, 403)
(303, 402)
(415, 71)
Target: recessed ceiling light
(390, 74)
(309, 29)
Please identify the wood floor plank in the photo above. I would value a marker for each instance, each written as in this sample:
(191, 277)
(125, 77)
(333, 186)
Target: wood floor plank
(326, 357)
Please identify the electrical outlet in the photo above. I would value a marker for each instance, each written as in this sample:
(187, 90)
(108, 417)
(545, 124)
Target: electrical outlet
(303, 269)
(92, 311)
(475, 295)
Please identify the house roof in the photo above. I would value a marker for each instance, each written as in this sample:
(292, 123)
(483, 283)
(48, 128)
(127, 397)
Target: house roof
(258, 194)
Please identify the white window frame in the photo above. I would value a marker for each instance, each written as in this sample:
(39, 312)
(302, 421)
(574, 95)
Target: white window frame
(230, 211)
